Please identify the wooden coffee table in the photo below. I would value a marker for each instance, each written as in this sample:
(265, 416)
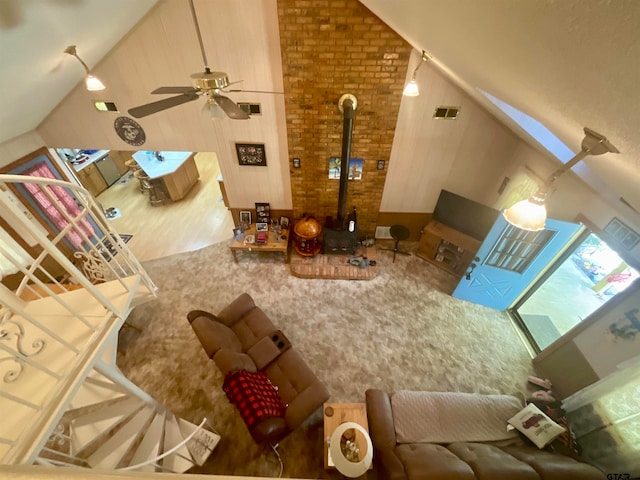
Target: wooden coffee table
(272, 245)
(340, 413)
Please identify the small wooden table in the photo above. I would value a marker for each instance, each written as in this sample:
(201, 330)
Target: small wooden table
(272, 245)
(341, 413)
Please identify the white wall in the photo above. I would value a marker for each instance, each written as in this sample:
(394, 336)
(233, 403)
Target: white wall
(603, 351)
(20, 146)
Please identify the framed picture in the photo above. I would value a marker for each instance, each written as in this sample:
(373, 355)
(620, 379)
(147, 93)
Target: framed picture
(238, 234)
(380, 165)
(262, 227)
(263, 212)
(251, 154)
(621, 232)
(245, 217)
(284, 222)
(296, 163)
(355, 168)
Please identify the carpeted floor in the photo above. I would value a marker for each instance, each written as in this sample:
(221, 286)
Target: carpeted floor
(400, 330)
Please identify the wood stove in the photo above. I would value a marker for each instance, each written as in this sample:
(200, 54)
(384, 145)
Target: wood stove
(343, 238)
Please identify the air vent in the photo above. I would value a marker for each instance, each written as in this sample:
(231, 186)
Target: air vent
(447, 113)
(251, 108)
(105, 106)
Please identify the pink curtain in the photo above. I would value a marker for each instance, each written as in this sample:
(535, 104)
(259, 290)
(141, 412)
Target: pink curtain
(63, 197)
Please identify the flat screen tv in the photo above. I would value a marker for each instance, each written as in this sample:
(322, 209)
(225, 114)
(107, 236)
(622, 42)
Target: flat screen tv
(465, 215)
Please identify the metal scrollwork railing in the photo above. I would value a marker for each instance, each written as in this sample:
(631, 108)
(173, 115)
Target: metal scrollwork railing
(11, 328)
(37, 345)
(12, 374)
(93, 265)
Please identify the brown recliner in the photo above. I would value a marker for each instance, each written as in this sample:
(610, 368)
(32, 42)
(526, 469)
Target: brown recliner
(242, 337)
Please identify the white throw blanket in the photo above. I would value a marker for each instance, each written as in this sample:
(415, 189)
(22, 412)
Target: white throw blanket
(446, 417)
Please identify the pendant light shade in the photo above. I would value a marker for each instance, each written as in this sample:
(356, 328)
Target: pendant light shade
(411, 89)
(92, 83)
(531, 214)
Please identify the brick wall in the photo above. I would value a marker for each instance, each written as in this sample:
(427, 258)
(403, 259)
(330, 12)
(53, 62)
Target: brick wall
(329, 48)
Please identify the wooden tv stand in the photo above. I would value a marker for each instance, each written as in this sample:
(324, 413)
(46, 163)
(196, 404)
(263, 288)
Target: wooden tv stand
(447, 248)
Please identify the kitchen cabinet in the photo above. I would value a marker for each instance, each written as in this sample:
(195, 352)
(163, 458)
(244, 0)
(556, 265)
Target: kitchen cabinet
(447, 248)
(119, 158)
(91, 179)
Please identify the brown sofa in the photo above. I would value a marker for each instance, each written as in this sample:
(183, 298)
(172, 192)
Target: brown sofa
(461, 460)
(242, 337)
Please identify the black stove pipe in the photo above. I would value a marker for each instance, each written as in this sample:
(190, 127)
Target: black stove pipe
(348, 109)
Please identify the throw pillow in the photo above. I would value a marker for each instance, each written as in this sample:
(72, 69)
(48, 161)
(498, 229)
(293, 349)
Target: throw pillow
(536, 426)
(566, 443)
(254, 396)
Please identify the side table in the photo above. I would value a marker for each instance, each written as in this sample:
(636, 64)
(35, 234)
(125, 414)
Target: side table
(336, 414)
(274, 244)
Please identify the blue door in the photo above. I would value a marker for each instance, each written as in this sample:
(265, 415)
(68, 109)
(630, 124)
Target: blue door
(510, 259)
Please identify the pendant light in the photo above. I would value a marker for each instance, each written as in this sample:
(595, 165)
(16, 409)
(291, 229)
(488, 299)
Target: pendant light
(91, 82)
(531, 214)
(411, 89)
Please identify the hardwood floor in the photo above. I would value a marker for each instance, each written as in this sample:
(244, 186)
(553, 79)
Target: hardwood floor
(198, 220)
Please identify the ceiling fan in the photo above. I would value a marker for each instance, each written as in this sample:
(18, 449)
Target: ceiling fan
(207, 83)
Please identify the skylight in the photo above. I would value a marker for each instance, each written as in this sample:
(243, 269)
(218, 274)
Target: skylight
(534, 128)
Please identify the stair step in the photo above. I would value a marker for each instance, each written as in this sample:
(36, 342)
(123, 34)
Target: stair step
(94, 389)
(87, 428)
(76, 413)
(181, 460)
(201, 444)
(111, 452)
(125, 461)
(151, 444)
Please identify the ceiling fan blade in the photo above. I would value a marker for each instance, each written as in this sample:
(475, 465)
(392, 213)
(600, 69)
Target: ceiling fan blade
(235, 90)
(230, 108)
(174, 90)
(153, 107)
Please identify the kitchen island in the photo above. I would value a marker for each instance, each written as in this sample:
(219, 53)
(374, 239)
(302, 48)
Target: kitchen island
(177, 170)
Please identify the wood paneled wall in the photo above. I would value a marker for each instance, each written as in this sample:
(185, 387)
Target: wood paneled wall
(240, 38)
(468, 155)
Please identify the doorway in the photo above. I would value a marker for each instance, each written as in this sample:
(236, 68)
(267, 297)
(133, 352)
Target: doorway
(196, 221)
(585, 277)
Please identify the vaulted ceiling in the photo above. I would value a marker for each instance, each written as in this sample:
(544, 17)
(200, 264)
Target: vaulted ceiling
(565, 64)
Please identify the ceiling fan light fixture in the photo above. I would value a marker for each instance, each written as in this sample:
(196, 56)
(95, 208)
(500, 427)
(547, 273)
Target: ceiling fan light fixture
(212, 109)
(92, 83)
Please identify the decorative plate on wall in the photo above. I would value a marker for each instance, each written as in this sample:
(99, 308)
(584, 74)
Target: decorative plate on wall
(130, 131)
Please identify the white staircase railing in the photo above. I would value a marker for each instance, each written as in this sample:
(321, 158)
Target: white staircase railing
(69, 284)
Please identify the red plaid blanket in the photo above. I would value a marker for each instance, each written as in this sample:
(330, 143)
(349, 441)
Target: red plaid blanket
(254, 396)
